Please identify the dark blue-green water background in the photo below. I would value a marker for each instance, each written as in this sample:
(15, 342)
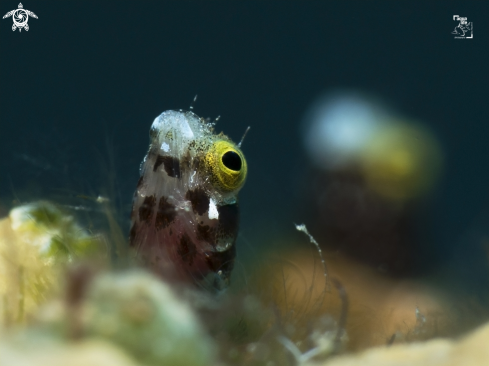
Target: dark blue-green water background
(83, 85)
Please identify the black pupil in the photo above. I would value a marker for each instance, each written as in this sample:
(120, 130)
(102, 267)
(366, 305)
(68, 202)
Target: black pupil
(231, 160)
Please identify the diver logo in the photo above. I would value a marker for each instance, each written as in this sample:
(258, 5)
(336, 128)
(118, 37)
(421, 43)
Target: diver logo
(463, 27)
(20, 17)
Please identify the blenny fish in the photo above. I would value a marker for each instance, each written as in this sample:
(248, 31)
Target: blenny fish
(185, 214)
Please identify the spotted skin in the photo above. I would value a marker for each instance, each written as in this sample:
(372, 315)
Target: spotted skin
(184, 221)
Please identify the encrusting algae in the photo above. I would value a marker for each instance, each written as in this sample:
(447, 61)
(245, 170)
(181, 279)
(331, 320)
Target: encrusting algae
(47, 271)
(37, 243)
(143, 316)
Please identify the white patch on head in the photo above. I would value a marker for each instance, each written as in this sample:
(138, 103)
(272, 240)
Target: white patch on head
(185, 128)
(177, 121)
(165, 147)
(213, 213)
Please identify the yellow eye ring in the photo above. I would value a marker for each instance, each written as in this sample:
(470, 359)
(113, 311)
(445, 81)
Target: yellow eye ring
(226, 165)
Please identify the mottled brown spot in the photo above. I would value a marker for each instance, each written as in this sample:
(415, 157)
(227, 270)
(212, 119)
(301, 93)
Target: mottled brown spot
(158, 162)
(186, 161)
(206, 233)
(171, 165)
(146, 209)
(199, 199)
(187, 249)
(166, 213)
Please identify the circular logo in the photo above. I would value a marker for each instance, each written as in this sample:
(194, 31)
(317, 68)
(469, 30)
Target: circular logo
(20, 18)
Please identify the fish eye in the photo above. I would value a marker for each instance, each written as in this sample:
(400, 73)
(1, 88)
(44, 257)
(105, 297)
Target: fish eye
(231, 160)
(226, 165)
